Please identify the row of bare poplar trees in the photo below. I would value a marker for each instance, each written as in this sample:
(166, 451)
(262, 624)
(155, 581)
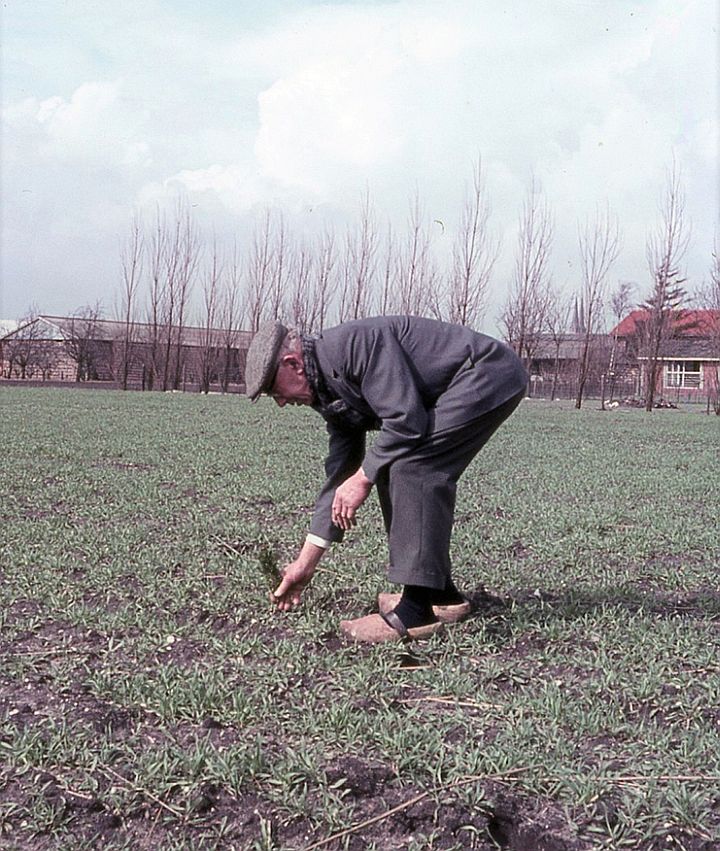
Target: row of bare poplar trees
(311, 283)
(369, 270)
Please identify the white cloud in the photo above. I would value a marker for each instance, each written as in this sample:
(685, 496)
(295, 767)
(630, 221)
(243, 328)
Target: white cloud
(326, 117)
(304, 109)
(96, 125)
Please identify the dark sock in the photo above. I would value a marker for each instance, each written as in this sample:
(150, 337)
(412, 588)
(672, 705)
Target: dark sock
(415, 606)
(450, 596)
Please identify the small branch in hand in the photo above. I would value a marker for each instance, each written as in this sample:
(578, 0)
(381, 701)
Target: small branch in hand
(269, 566)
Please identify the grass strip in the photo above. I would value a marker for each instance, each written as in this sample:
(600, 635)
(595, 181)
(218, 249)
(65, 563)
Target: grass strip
(108, 772)
(503, 777)
(461, 781)
(450, 701)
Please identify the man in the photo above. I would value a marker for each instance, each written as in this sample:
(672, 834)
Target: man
(436, 392)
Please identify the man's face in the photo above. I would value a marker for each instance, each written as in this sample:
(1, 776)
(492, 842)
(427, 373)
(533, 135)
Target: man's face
(291, 386)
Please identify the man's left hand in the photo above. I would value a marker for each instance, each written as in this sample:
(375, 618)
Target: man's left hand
(348, 498)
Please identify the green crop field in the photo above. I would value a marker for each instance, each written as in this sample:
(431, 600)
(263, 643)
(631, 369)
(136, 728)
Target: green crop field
(151, 699)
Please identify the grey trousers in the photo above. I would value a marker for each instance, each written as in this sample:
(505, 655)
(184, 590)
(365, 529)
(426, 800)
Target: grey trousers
(417, 498)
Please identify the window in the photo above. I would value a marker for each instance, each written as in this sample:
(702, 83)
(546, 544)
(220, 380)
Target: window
(683, 373)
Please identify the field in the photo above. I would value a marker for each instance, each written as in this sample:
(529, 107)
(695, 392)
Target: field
(150, 698)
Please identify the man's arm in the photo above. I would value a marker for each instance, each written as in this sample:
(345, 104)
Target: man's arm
(345, 453)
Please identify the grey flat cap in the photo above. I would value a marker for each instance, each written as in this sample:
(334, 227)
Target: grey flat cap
(261, 362)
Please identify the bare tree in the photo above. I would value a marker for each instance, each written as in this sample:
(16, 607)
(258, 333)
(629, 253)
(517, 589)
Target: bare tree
(260, 271)
(186, 251)
(709, 299)
(620, 302)
(82, 342)
(208, 350)
(324, 283)
(24, 351)
(599, 247)
(173, 254)
(474, 256)
(359, 262)
(231, 313)
(523, 315)
(665, 250)
(131, 263)
(46, 358)
(388, 282)
(314, 282)
(417, 277)
(171, 259)
(156, 250)
(557, 317)
(301, 301)
(281, 263)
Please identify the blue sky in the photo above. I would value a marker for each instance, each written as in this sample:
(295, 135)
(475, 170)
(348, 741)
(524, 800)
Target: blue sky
(110, 108)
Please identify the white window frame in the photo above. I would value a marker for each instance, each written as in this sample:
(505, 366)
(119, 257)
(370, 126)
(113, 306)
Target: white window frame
(677, 376)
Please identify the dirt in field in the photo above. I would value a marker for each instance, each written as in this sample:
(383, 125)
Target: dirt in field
(115, 809)
(386, 813)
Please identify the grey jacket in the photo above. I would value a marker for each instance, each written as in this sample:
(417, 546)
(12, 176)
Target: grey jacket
(417, 377)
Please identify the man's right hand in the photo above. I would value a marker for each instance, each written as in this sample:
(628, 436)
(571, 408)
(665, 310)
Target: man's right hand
(296, 576)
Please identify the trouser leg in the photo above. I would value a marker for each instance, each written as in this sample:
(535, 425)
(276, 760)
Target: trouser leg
(423, 500)
(421, 491)
(382, 487)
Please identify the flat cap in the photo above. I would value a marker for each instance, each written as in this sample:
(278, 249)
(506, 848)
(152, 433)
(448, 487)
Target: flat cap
(261, 362)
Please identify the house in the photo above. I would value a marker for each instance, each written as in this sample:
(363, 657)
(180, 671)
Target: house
(554, 367)
(140, 355)
(690, 355)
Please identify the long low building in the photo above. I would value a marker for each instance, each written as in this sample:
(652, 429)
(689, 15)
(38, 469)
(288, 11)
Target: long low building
(143, 355)
(137, 354)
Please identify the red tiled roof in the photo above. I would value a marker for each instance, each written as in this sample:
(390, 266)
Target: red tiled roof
(690, 323)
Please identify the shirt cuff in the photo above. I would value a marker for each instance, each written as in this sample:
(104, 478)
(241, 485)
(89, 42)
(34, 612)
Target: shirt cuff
(318, 541)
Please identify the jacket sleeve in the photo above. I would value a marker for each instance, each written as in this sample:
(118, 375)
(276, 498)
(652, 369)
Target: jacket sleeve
(345, 454)
(388, 385)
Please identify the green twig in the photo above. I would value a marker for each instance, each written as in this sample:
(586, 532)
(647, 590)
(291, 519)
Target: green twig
(266, 557)
(269, 566)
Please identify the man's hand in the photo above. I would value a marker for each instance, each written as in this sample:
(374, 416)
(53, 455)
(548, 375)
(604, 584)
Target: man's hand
(296, 576)
(348, 498)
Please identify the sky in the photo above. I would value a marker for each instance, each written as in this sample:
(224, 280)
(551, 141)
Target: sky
(111, 109)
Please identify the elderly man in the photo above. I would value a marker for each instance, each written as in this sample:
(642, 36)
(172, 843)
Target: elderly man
(436, 393)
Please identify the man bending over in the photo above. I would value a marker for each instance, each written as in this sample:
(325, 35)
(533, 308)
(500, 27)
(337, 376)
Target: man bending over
(436, 393)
